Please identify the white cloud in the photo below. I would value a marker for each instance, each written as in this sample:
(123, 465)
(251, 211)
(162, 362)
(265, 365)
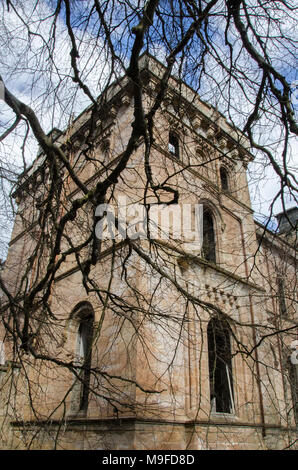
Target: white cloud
(47, 86)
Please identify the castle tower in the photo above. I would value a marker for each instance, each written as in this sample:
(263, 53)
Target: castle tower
(134, 288)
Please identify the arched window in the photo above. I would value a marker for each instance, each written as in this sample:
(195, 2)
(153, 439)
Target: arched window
(84, 319)
(220, 367)
(85, 334)
(208, 247)
(173, 145)
(224, 178)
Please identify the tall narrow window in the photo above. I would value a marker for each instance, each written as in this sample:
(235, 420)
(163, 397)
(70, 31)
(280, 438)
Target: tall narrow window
(220, 367)
(293, 377)
(173, 145)
(82, 320)
(281, 296)
(84, 349)
(224, 178)
(2, 353)
(208, 247)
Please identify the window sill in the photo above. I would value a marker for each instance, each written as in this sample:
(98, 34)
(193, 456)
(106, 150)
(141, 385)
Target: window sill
(9, 365)
(218, 416)
(77, 414)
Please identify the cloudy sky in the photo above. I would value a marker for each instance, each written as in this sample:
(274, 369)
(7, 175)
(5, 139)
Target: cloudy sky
(47, 86)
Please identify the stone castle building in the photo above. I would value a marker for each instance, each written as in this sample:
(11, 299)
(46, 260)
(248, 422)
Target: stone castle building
(184, 340)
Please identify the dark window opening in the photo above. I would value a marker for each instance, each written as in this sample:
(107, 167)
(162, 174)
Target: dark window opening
(174, 145)
(85, 336)
(208, 248)
(220, 367)
(293, 378)
(224, 179)
(281, 296)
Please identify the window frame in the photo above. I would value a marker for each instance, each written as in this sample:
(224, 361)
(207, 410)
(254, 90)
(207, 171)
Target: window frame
(84, 356)
(2, 353)
(209, 237)
(282, 304)
(82, 326)
(293, 382)
(220, 367)
(224, 177)
(174, 143)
